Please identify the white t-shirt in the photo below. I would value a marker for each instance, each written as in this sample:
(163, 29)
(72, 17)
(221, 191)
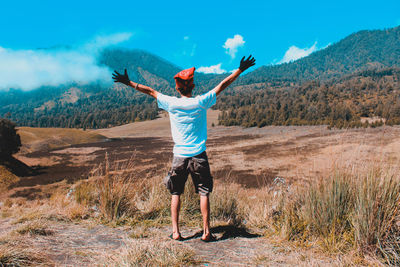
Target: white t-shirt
(188, 118)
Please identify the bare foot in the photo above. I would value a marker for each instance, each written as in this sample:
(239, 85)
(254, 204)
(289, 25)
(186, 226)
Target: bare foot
(208, 238)
(176, 236)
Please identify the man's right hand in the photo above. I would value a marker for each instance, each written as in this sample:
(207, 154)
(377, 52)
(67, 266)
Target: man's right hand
(119, 78)
(245, 64)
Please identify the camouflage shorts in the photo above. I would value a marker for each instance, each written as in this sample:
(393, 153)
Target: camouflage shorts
(198, 168)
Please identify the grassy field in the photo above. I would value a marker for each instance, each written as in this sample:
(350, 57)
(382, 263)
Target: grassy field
(290, 194)
(35, 139)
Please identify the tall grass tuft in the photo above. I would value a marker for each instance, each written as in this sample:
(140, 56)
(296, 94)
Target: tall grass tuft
(376, 213)
(110, 189)
(115, 189)
(224, 205)
(118, 194)
(347, 211)
(152, 200)
(327, 209)
(85, 192)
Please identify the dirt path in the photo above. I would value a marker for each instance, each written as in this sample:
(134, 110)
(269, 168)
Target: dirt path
(83, 244)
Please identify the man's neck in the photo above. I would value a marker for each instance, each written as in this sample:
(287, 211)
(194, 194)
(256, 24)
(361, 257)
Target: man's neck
(187, 96)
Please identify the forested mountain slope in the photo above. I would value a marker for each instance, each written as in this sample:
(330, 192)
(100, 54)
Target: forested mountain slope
(100, 105)
(338, 103)
(369, 49)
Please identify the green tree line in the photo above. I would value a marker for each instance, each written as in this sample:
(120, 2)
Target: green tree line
(337, 103)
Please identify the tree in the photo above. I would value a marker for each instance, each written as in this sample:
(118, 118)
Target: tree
(10, 141)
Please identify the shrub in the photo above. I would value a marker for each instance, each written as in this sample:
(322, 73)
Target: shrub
(10, 141)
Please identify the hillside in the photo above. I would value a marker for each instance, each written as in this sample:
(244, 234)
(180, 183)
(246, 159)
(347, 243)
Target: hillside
(96, 105)
(368, 49)
(34, 139)
(100, 106)
(345, 102)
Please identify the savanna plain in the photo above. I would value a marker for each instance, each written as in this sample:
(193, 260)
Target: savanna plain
(283, 196)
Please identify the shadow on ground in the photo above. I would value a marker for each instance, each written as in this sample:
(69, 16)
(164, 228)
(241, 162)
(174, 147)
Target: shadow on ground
(227, 231)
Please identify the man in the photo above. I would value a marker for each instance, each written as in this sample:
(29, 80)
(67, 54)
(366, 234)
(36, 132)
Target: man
(188, 117)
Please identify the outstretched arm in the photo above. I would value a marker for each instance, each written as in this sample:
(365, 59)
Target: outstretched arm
(244, 65)
(140, 87)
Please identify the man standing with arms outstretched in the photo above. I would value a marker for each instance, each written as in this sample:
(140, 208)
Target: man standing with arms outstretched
(188, 118)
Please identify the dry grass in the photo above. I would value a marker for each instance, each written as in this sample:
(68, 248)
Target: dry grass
(224, 204)
(141, 231)
(15, 252)
(377, 214)
(343, 212)
(7, 179)
(116, 191)
(150, 254)
(38, 227)
(121, 196)
(349, 210)
(11, 256)
(39, 138)
(352, 210)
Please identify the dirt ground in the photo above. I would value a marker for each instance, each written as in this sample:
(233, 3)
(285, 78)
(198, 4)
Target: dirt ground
(84, 244)
(252, 157)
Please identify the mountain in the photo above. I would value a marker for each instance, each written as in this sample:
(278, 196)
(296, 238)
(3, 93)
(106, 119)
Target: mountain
(152, 70)
(98, 105)
(142, 66)
(368, 49)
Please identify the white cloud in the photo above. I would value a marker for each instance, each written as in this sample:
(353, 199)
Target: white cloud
(232, 44)
(188, 47)
(193, 50)
(189, 51)
(102, 41)
(295, 53)
(216, 69)
(30, 69)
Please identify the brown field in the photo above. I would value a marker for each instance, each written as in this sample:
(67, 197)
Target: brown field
(35, 139)
(249, 157)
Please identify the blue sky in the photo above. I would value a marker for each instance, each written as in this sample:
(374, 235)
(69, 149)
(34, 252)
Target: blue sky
(187, 33)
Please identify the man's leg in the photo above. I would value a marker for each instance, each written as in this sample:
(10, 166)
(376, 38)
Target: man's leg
(175, 182)
(205, 212)
(175, 207)
(203, 181)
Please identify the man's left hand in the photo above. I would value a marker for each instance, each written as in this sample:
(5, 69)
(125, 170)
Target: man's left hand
(119, 78)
